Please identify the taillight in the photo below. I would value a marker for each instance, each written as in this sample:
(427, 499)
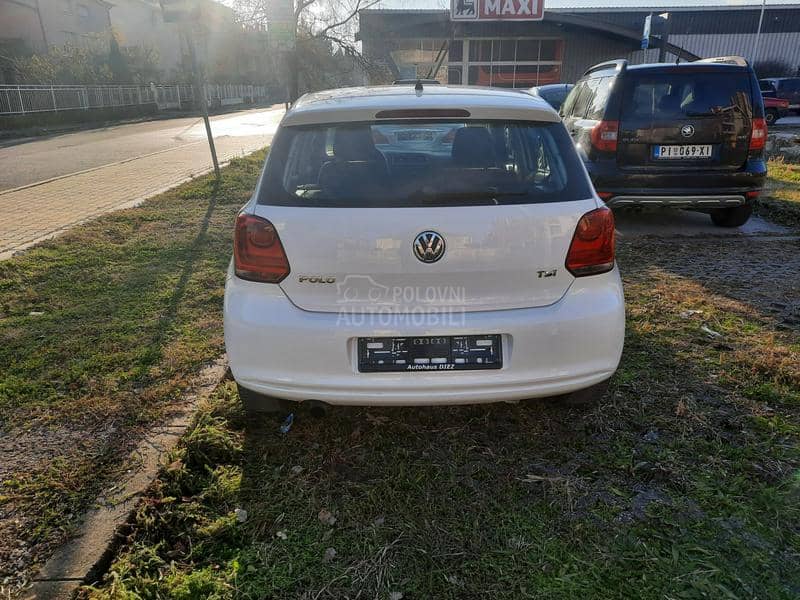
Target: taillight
(257, 250)
(605, 135)
(758, 138)
(592, 249)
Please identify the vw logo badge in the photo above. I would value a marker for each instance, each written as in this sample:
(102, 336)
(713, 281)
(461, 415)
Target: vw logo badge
(429, 246)
(687, 131)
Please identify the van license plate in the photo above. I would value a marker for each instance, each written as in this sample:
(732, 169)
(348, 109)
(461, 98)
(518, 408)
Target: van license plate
(682, 152)
(430, 353)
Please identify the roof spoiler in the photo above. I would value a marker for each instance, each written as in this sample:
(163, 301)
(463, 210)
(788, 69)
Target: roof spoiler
(619, 65)
(726, 60)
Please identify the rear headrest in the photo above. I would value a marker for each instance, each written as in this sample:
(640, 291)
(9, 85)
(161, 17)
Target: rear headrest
(354, 144)
(472, 147)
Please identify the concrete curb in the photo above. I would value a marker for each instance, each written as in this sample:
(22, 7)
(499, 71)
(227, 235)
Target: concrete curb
(85, 558)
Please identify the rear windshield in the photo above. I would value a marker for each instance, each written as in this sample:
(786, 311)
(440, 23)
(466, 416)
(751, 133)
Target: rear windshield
(678, 95)
(430, 163)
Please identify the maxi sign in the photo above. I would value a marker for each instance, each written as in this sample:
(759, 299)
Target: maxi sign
(496, 10)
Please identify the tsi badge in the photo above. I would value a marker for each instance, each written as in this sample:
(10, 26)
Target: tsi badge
(544, 274)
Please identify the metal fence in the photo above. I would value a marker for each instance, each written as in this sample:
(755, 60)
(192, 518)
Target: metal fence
(25, 99)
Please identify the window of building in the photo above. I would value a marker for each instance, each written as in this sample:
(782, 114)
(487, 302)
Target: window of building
(417, 58)
(83, 11)
(507, 62)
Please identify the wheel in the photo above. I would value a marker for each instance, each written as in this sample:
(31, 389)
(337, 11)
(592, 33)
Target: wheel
(771, 115)
(253, 402)
(585, 397)
(732, 217)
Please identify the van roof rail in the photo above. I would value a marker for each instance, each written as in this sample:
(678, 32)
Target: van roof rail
(619, 65)
(726, 60)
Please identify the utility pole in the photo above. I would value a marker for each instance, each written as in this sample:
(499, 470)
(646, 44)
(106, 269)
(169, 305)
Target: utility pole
(754, 53)
(187, 13)
(662, 49)
(282, 35)
(200, 96)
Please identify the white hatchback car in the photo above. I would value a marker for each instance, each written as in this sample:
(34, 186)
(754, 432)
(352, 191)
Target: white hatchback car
(422, 246)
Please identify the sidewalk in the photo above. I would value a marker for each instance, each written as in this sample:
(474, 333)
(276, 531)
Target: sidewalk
(34, 213)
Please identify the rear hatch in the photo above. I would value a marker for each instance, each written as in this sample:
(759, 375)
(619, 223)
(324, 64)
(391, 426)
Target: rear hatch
(698, 118)
(355, 222)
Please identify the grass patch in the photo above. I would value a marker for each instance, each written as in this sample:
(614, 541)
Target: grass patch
(100, 330)
(781, 201)
(683, 483)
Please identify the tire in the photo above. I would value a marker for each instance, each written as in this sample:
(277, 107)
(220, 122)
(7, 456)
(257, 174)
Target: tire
(732, 217)
(771, 115)
(253, 402)
(586, 397)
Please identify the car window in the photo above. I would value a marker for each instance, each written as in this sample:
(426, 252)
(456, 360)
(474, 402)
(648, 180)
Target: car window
(422, 164)
(679, 95)
(597, 108)
(584, 98)
(569, 102)
(766, 86)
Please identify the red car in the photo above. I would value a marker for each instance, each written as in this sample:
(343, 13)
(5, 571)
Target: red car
(774, 109)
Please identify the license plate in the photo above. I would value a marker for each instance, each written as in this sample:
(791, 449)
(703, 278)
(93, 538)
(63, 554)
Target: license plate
(682, 152)
(430, 353)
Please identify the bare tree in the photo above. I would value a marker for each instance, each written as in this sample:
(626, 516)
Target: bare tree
(324, 28)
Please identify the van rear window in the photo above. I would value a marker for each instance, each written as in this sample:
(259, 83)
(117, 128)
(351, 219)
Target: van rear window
(677, 95)
(423, 163)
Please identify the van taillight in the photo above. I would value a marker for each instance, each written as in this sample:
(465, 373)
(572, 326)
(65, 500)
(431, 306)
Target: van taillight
(758, 138)
(257, 250)
(605, 135)
(592, 249)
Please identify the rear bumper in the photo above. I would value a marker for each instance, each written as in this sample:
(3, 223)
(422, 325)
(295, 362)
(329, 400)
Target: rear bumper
(676, 201)
(277, 349)
(676, 187)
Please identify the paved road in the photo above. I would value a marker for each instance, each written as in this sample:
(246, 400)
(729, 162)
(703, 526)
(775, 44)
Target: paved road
(27, 161)
(70, 178)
